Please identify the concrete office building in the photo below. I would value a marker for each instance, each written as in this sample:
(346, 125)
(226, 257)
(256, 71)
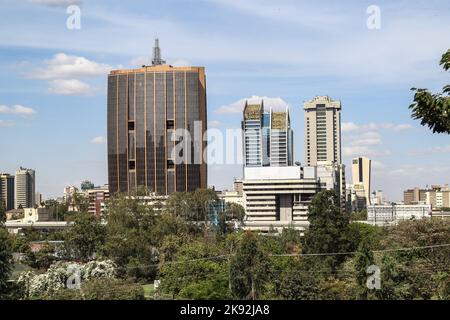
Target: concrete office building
(267, 137)
(24, 194)
(7, 191)
(278, 197)
(437, 196)
(414, 196)
(322, 131)
(386, 215)
(361, 173)
(332, 177)
(147, 109)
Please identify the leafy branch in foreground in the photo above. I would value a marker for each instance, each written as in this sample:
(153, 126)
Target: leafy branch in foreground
(433, 109)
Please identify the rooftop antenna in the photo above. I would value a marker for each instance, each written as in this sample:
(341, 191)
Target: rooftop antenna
(157, 54)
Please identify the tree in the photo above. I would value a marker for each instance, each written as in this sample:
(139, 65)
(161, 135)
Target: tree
(2, 211)
(103, 289)
(84, 238)
(235, 211)
(297, 283)
(433, 109)
(363, 259)
(249, 268)
(130, 236)
(41, 259)
(416, 273)
(5, 261)
(196, 271)
(327, 230)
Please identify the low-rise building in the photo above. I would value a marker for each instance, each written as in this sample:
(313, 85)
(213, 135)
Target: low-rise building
(234, 196)
(386, 215)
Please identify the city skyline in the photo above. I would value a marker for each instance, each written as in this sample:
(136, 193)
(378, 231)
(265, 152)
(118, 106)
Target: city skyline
(58, 115)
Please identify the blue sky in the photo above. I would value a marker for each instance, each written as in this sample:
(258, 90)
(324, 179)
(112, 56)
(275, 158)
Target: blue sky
(53, 113)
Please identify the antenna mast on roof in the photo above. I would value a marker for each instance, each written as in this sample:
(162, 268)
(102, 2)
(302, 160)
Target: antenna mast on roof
(157, 54)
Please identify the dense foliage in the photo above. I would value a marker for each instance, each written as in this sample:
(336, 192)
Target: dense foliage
(142, 242)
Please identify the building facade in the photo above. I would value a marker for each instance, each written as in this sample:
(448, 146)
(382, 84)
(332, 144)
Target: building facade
(437, 196)
(322, 131)
(386, 215)
(267, 137)
(278, 197)
(24, 194)
(97, 200)
(361, 174)
(157, 115)
(7, 191)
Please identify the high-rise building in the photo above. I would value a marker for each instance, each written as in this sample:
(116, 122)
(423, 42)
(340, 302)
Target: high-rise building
(361, 173)
(322, 131)
(7, 191)
(25, 188)
(268, 137)
(153, 113)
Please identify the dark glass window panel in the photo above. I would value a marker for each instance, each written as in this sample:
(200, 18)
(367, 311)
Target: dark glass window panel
(160, 132)
(180, 123)
(112, 134)
(122, 133)
(150, 111)
(140, 129)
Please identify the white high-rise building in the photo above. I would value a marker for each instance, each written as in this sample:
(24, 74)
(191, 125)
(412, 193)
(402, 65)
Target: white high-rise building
(25, 188)
(322, 131)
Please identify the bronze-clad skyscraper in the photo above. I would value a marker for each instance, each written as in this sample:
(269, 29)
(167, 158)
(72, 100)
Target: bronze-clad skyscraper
(145, 107)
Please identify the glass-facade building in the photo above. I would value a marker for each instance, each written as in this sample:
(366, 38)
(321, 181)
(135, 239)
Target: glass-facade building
(268, 137)
(147, 108)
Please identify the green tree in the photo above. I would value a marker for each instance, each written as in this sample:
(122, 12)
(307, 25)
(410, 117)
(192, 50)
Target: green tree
(416, 273)
(235, 211)
(363, 259)
(130, 238)
(249, 268)
(84, 238)
(41, 259)
(298, 283)
(327, 231)
(433, 109)
(103, 289)
(196, 271)
(5, 261)
(2, 211)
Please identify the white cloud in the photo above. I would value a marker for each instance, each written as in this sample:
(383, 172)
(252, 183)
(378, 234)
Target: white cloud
(354, 151)
(56, 3)
(370, 138)
(70, 87)
(17, 110)
(238, 106)
(352, 127)
(98, 140)
(63, 66)
(430, 151)
(6, 123)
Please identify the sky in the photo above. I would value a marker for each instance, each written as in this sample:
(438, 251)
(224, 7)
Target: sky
(53, 78)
